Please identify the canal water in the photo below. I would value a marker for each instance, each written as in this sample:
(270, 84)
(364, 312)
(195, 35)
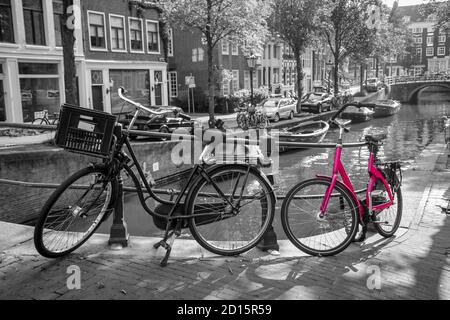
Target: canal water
(409, 133)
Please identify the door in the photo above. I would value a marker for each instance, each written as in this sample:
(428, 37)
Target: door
(158, 88)
(2, 102)
(97, 98)
(97, 90)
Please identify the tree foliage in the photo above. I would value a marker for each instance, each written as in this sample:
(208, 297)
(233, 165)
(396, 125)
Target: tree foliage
(345, 29)
(441, 11)
(240, 21)
(296, 22)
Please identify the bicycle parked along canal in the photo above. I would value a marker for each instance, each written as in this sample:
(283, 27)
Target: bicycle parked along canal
(322, 216)
(227, 208)
(251, 118)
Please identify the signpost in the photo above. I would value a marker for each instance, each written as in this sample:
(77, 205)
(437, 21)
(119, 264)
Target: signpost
(190, 83)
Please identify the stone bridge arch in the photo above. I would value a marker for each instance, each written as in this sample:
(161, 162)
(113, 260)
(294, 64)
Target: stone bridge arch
(408, 92)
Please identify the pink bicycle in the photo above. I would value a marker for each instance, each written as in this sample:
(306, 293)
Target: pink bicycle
(322, 216)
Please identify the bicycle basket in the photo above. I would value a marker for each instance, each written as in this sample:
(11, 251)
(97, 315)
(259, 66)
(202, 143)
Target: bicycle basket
(85, 131)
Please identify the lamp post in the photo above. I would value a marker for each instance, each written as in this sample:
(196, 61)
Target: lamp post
(252, 62)
(329, 65)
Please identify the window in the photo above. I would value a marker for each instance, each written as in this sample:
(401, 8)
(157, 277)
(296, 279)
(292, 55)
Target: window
(234, 49)
(430, 40)
(225, 47)
(39, 86)
(117, 32)
(173, 81)
(136, 35)
(6, 22)
(33, 15)
(247, 80)
(58, 21)
(170, 43)
(152, 37)
(275, 52)
(441, 51)
(418, 40)
(226, 88)
(442, 39)
(430, 52)
(418, 30)
(419, 54)
(137, 83)
(235, 80)
(97, 31)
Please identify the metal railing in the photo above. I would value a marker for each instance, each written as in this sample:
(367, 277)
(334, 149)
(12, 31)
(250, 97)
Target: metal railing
(416, 79)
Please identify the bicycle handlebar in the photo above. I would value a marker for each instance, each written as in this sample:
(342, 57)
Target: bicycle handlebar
(121, 93)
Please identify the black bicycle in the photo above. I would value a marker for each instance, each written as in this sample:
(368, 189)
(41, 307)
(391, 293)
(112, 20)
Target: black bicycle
(227, 207)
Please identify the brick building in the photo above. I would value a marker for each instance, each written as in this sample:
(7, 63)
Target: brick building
(277, 68)
(115, 45)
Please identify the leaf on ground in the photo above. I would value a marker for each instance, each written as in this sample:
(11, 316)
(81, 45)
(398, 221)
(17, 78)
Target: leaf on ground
(100, 285)
(230, 270)
(123, 292)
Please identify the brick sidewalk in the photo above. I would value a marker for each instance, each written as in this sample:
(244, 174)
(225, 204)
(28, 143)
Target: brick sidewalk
(414, 265)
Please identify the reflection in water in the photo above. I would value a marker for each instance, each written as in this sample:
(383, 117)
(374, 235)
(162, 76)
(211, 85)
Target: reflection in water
(409, 133)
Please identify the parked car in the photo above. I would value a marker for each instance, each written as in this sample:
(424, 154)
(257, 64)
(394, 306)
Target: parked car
(172, 119)
(277, 108)
(317, 102)
(373, 85)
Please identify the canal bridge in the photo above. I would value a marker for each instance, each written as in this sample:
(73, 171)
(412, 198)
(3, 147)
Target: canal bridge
(408, 88)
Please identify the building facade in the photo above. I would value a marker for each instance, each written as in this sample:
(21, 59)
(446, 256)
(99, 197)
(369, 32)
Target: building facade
(116, 45)
(277, 69)
(431, 52)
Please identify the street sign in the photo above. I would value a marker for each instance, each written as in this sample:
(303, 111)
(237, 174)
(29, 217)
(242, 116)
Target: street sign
(190, 82)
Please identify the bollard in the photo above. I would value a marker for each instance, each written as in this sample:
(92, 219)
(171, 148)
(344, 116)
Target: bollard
(119, 235)
(269, 240)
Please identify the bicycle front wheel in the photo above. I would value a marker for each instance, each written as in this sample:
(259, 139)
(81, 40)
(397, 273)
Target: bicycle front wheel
(300, 217)
(239, 207)
(74, 212)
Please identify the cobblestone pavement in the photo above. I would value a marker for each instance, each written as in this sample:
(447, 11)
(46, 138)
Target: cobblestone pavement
(414, 265)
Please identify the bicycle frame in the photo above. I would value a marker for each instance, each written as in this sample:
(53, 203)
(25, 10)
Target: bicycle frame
(374, 174)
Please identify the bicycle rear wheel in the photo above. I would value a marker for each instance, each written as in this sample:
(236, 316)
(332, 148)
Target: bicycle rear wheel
(388, 220)
(74, 212)
(313, 235)
(226, 231)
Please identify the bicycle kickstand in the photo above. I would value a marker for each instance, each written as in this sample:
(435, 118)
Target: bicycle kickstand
(167, 243)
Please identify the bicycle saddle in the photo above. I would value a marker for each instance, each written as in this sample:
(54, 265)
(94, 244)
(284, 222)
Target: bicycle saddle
(376, 137)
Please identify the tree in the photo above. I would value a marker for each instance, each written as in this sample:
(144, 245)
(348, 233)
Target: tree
(441, 11)
(344, 27)
(241, 21)
(68, 41)
(296, 23)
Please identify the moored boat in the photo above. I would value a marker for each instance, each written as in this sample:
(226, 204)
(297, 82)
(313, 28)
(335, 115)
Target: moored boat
(308, 132)
(358, 115)
(386, 108)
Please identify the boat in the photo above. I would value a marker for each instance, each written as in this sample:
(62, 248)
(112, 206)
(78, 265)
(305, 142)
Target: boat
(358, 115)
(386, 108)
(308, 132)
